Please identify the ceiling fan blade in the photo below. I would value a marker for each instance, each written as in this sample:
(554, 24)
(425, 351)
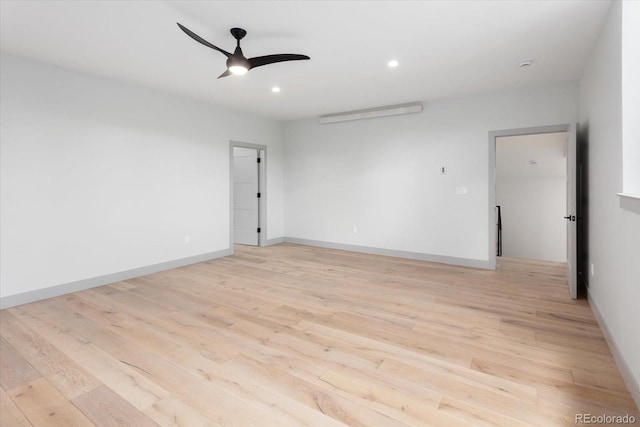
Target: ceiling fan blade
(271, 59)
(225, 74)
(201, 40)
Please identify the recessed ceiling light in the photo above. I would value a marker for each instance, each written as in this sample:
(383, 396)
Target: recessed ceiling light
(525, 63)
(393, 63)
(275, 89)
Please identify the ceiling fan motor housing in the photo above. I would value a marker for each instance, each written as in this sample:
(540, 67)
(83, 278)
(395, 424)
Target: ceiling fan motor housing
(238, 60)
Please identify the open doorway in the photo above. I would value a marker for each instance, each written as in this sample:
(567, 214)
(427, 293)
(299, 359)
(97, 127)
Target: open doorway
(531, 193)
(570, 216)
(248, 195)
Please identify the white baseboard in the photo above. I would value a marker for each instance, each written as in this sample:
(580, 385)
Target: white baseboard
(464, 262)
(80, 285)
(275, 241)
(627, 373)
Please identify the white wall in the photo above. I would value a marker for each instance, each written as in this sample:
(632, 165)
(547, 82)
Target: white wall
(631, 96)
(383, 175)
(532, 217)
(613, 222)
(101, 177)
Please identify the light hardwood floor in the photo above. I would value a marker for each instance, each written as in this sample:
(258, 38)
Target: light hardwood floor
(292, 335)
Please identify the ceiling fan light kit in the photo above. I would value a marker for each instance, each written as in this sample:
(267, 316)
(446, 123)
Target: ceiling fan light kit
(237, 69)
(237, 63)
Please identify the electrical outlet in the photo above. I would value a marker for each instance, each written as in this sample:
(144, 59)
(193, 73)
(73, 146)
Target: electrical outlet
(355, 229)
(187, 239)
(443, 170)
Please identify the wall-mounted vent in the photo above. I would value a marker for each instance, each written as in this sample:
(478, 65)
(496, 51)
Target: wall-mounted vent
(392, 110)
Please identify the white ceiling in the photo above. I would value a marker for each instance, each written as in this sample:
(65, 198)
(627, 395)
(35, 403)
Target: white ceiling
(445, 48)
(514, 155)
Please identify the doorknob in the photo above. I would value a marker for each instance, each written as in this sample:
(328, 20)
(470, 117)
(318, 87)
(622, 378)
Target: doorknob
(570, 217)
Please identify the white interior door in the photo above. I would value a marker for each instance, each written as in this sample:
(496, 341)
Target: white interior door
(245, 196)
(571, 217)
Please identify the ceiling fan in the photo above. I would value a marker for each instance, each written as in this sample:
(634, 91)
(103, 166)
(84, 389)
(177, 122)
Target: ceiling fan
(237, 63)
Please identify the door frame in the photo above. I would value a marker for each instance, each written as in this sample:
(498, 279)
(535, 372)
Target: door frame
(570, 129)
(262, 189)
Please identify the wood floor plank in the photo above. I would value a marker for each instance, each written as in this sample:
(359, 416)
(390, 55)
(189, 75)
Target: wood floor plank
(73, 323)
(172, 412)
(45, 406)
(586, 397)
(412, 409)
(525, 373)
(299, 335)
(14, 369)
(475, 415)
(344, 410)
(107, 409)
(604, 377)
(119, 376)
(487, 395)
(212, 400)
(249, 389)
(423, 343)
(67, 376)
(10, 415)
